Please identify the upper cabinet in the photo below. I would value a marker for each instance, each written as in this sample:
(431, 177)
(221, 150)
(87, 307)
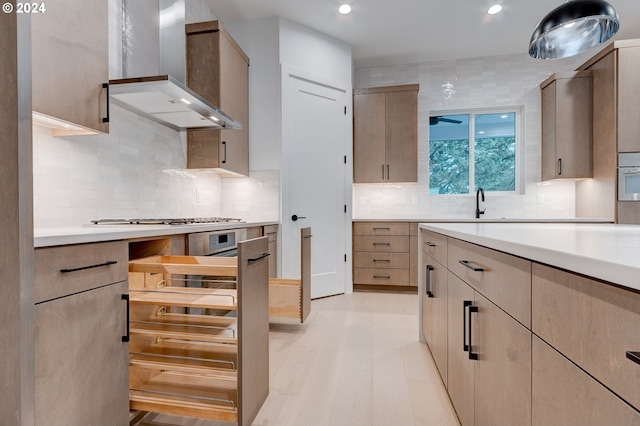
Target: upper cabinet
(218, 70)
(385, 132)
(70, 66)
(567, 126)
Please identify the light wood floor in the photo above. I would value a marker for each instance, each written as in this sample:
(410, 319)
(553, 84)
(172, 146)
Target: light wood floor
(355, 361)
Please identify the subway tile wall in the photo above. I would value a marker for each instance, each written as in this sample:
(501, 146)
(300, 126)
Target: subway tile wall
(488, 82)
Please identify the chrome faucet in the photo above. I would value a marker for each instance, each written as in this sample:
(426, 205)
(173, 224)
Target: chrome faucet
(479, 192)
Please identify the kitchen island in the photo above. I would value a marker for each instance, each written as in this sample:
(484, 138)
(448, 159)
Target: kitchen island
(548, 314)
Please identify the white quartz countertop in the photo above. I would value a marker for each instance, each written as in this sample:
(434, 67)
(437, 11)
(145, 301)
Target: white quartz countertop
(45, 237)
(605, 251)
(491, 220)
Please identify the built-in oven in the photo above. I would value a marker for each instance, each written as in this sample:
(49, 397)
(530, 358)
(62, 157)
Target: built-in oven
(629, 176)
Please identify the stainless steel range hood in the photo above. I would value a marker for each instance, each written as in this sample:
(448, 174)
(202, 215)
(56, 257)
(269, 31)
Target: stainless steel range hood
(154, 69)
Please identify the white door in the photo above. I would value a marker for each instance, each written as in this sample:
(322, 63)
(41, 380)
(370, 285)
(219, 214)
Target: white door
(316, 137)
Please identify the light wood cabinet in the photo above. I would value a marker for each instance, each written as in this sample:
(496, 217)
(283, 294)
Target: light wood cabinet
(381, 254)
(563, 394)
(70, 64)
(218, 70)
(567, 126)
(616, 127)
(592, 323)
(271, 232)
(80, 321)
(434, 311)
(385, 140)
(212, 362)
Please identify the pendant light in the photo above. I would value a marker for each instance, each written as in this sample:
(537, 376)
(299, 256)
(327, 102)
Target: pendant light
(572, 28)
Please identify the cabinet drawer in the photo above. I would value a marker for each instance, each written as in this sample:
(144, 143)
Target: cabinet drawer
(435, 245)
(393, 244)
(381, 228)
(369, 259)
(501, 278)
(64, 270)
(562, 394)
(271, 232)
(592, 323)
(381, 276)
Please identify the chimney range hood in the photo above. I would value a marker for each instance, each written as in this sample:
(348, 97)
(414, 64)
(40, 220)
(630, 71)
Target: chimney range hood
(154, 69)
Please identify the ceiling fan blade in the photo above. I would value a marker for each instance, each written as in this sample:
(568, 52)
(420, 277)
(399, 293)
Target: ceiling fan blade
(449, 120)
(437, 119)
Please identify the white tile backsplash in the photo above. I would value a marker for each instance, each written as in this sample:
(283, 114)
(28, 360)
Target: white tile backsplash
(489, 82)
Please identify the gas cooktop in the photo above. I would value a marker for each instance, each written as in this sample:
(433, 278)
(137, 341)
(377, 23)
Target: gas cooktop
(173, 221)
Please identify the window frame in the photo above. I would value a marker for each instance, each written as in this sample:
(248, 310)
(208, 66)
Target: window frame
(518, 111)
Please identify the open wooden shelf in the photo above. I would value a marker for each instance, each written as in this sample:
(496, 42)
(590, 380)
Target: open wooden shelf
(190, 327)
(187, 297)
(211, 361)
(188, 394)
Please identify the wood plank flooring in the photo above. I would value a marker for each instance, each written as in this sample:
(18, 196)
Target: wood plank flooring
(356, 361)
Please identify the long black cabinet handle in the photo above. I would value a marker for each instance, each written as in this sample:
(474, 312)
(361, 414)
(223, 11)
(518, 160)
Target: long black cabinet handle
(559, 166)
(382, 260)
(465, 304)
(473, 356)
(224, 157)
(107, 263)
(386, 277)
(466, 264)
(430, 244)
(381, 244)
(634, 356)
(427, 286)
(262, 256)
(128, 335)
(106, 86)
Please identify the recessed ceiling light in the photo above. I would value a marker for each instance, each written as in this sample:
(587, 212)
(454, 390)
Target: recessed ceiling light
(344, 9)
(496, 8)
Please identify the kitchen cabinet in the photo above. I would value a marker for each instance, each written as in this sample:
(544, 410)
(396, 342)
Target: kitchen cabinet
(80, 321)
(567, 126)
(381, 254)
(385, 134)
(434, 303)
(599, 325)
(271, 232)
(70, 65)
(489, 359)
(218, 70)
(616, 127)
(200, 351)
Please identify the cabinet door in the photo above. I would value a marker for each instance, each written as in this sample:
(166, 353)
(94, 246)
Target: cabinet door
(503, 369)
(70, 62)
(460, 369)
(401, 136)
(81, 363)
(565, 395)
(439, 318)
(628, 105)
(369, 138)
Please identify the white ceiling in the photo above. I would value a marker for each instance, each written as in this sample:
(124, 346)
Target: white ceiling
(390, 32)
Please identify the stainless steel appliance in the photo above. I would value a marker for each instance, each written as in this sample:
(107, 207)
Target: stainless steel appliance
(629, 176)
(215, 243)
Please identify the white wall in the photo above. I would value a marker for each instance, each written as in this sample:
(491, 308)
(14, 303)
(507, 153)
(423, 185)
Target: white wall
(501, 81)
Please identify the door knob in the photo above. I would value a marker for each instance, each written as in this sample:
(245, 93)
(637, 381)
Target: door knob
(296, 217)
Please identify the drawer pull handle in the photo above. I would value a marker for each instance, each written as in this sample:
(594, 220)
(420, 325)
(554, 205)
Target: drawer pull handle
(126, 338)
(386, 277)
(82, 268)
(427, 286)
(430, 244)
(262, 256)
(466, 264)
(634, 356)
(381, 260)
(381, 244)
(382, 229)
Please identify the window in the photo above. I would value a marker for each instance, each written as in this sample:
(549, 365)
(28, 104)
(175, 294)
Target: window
(476, 147)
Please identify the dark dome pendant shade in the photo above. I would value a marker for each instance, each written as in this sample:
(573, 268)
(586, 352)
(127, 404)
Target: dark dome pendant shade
(573, 28)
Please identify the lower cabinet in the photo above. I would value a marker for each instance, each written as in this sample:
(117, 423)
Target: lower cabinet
(563, 394)
(434, 311)
(489, 360)
(81, 358)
